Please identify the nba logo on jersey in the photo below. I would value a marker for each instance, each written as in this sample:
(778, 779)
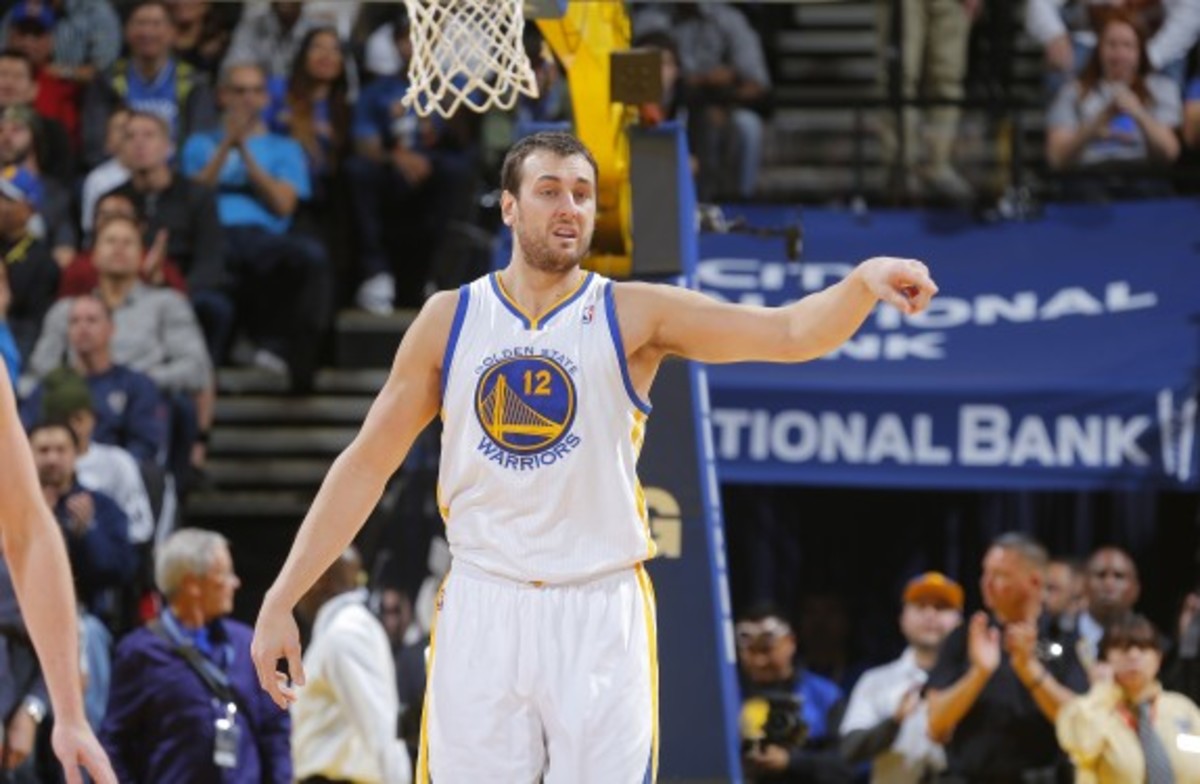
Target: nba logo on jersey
(526, 405)
(589, 313)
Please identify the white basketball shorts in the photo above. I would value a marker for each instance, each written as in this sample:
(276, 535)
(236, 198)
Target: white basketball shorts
(550, 683)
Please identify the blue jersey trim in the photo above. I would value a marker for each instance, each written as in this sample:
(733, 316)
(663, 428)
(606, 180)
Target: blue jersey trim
(502, 295)
(541, 322)
(614, 329)
(460, 315)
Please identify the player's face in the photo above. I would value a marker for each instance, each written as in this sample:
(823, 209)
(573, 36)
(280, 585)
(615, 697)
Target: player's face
(553, 216)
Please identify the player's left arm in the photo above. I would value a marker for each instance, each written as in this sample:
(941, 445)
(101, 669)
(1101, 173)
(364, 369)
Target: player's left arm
(671, 320)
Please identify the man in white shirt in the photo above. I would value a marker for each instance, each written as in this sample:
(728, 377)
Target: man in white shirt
(885, 721)
(344, 723)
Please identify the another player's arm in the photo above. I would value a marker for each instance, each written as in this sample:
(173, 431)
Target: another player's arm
(41, 575)
(672, 320)
(407, 403)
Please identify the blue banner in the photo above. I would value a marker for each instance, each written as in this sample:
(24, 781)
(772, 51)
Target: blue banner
(1060, 353)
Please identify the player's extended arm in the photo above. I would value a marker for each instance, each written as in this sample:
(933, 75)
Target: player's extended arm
(406, 404)
(41, 576)
(671, 320)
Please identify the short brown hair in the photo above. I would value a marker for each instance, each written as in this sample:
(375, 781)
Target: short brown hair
(156, 119)
(1130, 631)
(562, 144)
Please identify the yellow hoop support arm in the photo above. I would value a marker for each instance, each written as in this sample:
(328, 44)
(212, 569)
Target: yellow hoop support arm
(583, 39)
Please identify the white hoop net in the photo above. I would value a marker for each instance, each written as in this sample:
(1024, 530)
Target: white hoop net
(467, 54)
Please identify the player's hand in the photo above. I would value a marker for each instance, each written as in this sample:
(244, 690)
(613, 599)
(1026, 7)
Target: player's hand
(277, 637)
(983, 643)
(76, 747)
(904, 283)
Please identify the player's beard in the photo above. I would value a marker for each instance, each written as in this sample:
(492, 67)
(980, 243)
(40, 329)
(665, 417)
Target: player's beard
(539, 255)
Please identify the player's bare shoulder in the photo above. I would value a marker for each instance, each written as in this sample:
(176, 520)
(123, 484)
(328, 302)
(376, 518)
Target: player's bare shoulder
(427, 335)
(640, 307)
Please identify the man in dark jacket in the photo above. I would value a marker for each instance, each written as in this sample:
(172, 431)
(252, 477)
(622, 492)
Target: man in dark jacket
(185, 705)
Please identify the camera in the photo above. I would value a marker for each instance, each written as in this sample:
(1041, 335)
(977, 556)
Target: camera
(773, 719)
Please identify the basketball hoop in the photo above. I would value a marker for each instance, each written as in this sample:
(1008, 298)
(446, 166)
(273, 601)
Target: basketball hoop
(467, 54)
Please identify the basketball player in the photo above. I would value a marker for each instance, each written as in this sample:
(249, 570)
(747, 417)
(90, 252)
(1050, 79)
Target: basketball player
(41, 576)
(542, 663)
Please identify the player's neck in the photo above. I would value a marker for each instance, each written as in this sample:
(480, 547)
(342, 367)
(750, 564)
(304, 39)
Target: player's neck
(536, 291)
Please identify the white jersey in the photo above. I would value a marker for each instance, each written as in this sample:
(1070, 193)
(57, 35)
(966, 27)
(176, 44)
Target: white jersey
(541, 434)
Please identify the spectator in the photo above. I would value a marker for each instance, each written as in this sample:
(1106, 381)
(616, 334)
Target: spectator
(1064, 598)
(87, 36)
(261, 178)
(933, 63)
(55, 222)
(344, 720)
(24, 701)
(1066, 29)
(129, 409)
(779, 694)
(312, 106)
(155, 329)
(671, 102)
(32, 274)
(113, 172)
(1118, 121)
(31, 32)
(886, 720)
(727, 86)
(203, 32)
(112, 471)
(186, 212)
(1191, 114)
(1111, 589)
(270, 37)
(8, 344)
(150, 80)
(81, 277)
(1127, 728)
(409, 180)
(156, 333)
(193, 664)
(51, 143)
(104, 467)
(992, 697)
(97, 531)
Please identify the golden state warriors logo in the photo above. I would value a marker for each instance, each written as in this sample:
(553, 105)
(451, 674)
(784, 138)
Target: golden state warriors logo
(526, 406)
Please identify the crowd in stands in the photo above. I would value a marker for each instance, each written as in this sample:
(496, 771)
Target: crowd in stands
(1056, 678)
(186, 185)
